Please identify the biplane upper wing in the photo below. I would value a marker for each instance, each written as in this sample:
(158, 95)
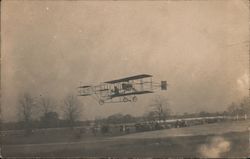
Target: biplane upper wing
(129, 78)
(131, 93)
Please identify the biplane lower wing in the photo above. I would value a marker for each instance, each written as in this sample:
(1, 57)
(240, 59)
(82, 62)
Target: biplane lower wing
(84, 94)
(131, 93)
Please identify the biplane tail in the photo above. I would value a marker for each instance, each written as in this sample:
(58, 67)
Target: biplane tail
(163, 85)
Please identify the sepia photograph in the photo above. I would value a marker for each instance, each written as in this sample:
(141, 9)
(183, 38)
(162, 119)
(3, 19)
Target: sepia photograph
(125, 79)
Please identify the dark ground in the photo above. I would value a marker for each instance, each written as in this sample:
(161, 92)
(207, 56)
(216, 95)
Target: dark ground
(158, 147)
(177, 142)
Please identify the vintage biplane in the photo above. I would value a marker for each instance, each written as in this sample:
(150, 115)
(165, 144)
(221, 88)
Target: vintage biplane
(122, 90)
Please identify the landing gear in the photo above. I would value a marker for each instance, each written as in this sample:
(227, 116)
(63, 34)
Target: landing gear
(125, 99)
(101, 102)
(134, 99)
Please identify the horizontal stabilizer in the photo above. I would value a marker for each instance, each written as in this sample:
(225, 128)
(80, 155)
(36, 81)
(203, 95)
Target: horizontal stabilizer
(84, 86)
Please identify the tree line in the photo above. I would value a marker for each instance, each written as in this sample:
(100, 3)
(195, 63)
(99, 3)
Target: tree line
(41, 112)
(240, 108)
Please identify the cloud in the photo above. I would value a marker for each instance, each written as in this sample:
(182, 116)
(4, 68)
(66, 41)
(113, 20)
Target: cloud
(215, 148)
(243, 83)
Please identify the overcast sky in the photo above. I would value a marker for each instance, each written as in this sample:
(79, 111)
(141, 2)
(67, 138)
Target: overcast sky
(199, 47)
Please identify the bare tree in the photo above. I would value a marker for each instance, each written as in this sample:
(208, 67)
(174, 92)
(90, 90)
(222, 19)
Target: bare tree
(242, 108)
(245, 105)
(49, 118)
(160, 107)
(233, 109)
(25, 111)
(46, 104)
(72, 109)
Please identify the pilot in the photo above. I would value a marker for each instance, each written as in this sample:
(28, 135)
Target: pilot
(127, 86)
(116, 90)
(124, 86)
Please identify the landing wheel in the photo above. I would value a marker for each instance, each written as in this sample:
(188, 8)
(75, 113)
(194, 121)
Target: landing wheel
(101, 102)
(125, 99)
(134, 99)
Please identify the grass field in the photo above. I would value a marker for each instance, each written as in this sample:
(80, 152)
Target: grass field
(219, 140)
